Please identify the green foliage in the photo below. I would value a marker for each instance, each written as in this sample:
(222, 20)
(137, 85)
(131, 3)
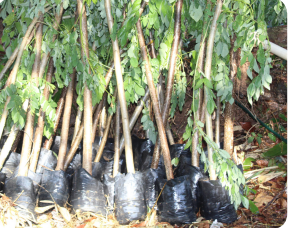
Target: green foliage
(277, 150)
(228, 173)
(148, 125)
(247, 20)
(254, 209)
(248, 163)
(258, 137)
(175, 161)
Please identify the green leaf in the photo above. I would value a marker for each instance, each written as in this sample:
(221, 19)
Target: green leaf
(254, 209)
(10, 19)
(65, 4)
(224, 154)
(261, 55)
(198, 84)
(251, 139)
(188, 144)
(187, 134)
(21, 121)
(243, 60)
(282, 116)
(134, 62)
(210, 106)
(118, 12)
(219, 48)
(256, 67)
(259, 140)
(207, 83)
(272, 137)
(196, 13)
(113, 34)
(278, 150)
(248, 163)
(139, 90)
(199, 123)
(175, 161)
(225, 50)
(238, 22)
(262, 38)
(219, 77)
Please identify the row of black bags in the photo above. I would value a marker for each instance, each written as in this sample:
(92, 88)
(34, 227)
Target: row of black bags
(130, 196)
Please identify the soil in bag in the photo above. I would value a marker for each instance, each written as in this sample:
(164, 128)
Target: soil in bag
(54, 187)
(21, 191)
(194, 175)
(215, 202)
(10, 164)
(129, 197)
(176, 203)
(87, 193)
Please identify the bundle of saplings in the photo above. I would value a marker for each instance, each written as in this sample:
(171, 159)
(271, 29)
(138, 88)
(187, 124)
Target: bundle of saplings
(80, 63)
(215, 199)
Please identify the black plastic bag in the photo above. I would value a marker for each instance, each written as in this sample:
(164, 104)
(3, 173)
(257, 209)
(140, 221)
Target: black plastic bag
(150, 177)
(136, 144)
(108, 152)
(110, 144)
(129, 197)
(215, 202)
(176, 203)
(176, 150)
(10, 164)
(146, 164)
(46, 160)
(141, 146)
(35, 177)
(54, 187)
(20, 189)
(87, 193)
(194, 175)
(101, 168)
(2, 181)
(76, 162)
(146, 147)
(107, 168)
(2, 141)
(108, 155)
(56, 144)
(97, 171)
(109, 191)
